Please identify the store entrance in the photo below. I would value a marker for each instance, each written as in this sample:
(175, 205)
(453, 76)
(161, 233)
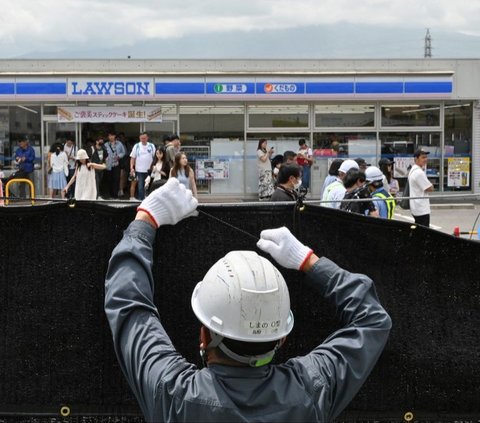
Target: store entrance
(127, 133)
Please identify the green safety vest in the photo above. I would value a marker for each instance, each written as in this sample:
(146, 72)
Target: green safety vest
(389, 201)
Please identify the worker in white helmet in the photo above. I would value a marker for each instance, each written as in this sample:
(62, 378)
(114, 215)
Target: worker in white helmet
(244, 306)
(336, 190)
(384, 202)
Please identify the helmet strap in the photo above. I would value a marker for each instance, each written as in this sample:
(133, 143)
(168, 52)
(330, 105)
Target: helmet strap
(251, 360)
(203, 356)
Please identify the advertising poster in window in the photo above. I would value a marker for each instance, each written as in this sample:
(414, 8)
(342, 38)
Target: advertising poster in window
(401, 166)
(458, 172)
(212, 169)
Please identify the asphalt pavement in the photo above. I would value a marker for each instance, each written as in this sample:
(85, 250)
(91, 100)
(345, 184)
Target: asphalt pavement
(446, 216)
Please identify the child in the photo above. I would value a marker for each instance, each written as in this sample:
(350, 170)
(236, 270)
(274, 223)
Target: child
(85, 187)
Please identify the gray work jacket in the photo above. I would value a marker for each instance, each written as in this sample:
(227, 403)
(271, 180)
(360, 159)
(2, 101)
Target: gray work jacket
(312, 388)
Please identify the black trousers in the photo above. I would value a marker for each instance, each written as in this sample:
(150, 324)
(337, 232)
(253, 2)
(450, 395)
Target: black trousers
(423, 220)
(113, 181)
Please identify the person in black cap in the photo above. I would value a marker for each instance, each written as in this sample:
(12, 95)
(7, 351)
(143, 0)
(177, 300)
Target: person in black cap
(420, 186)
(362, 164)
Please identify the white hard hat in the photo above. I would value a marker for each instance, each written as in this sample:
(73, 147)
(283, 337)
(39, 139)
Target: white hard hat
(373, 173)
(245, 298)
(347, 165)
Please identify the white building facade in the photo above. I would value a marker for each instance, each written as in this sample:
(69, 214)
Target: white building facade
(220, 108)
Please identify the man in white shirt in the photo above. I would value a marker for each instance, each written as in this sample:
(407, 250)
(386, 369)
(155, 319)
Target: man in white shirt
(141, 159)
(420, 186)
(335, 192)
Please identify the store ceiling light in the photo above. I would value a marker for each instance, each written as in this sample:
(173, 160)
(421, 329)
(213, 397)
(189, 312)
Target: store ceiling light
(27, 109)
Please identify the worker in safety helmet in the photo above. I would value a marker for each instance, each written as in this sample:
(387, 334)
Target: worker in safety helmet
(384, 202)
(244, 306)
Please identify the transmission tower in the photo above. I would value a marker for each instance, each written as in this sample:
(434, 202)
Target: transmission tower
(428, 45)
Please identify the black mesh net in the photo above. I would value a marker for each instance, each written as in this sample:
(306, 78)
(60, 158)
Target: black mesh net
(55, 344)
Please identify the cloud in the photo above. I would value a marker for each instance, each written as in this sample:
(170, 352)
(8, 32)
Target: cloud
(53, 25)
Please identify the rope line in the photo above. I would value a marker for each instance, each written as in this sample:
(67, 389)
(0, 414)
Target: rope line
(256, 238)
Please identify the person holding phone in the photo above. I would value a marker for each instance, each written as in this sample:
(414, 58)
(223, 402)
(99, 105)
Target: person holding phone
(265, 179)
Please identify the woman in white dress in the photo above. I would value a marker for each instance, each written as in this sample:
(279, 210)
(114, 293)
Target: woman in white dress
(85, 187)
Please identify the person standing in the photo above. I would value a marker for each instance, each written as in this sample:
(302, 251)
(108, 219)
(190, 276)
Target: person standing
(335, 192)
(420, 186)
(85, 186)
(116, 151)
(172, 149)
(184, 173)
(354, 183)
(99, 155)
(289, 181)
(70, 150)
(384, 202)
(332, 174)
(265, 179)
(305, 160)
(24, 160)
(243, 307)
(390, 184)
(141, 158)
(160, 170)
(57, 170)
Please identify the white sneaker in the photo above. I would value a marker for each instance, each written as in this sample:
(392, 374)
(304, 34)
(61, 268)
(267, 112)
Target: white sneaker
(99, 198)
(120, 193)
(133, 199)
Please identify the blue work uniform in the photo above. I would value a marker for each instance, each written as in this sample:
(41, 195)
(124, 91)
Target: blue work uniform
(314, 387)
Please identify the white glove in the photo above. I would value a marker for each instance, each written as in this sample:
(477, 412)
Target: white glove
(287, 250)
(169, 204)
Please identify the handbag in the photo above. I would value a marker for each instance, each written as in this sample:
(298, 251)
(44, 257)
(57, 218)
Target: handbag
(405, 202)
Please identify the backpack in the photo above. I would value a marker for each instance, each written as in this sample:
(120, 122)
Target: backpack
(405, 202)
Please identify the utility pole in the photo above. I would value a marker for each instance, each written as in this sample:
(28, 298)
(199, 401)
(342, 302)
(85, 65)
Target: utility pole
(428, 45)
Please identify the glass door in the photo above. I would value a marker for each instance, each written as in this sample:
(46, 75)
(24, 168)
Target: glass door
(159, 130)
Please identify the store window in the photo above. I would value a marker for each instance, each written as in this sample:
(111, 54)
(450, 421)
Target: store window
(18, 122)
(278, 116)
(206, 122)
(400, 146)
(346, 145)
(344, 115)
(457, 163)
(280, 141)
(411, 115)
(215, 132)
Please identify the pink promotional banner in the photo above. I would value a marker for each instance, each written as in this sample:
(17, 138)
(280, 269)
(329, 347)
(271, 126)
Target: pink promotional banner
(109, 114)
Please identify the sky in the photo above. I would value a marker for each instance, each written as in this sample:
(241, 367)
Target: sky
(238, 28)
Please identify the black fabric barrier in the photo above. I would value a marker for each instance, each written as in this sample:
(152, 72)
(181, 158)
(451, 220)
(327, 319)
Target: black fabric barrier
(56, 349)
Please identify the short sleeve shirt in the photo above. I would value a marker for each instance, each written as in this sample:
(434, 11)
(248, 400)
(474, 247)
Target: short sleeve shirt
(418, 184)
(143, 155)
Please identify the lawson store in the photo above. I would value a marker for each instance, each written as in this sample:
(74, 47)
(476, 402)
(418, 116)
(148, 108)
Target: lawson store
(220, 108)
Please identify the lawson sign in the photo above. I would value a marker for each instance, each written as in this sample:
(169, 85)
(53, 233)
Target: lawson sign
(110, 87)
